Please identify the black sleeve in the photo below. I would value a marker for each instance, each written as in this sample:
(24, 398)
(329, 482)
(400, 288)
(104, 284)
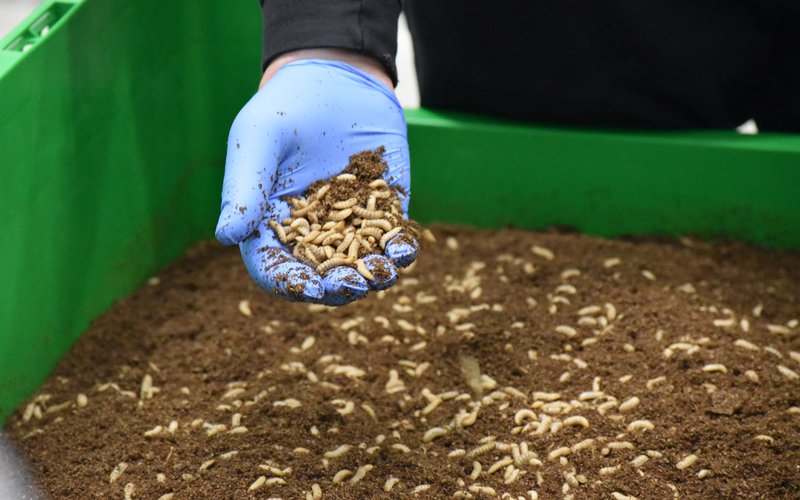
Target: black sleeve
(780, 106)
(365, 26)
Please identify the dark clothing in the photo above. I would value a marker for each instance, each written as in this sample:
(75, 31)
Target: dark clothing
(621, 63)
(366, 26)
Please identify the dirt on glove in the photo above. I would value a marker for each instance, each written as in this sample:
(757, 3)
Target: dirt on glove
(352, 215)
(503, 362)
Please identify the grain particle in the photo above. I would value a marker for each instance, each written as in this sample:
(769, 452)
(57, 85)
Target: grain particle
(82, 400)
(648, 275)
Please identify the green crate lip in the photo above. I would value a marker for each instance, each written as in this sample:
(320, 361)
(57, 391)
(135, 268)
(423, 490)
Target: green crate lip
(700, 139)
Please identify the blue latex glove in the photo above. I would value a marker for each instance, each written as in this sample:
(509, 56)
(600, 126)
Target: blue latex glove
(300, 127)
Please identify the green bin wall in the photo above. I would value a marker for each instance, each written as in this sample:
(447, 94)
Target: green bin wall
(112, 140)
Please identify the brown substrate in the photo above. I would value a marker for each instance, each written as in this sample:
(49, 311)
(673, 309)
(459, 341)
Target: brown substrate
(488, 298)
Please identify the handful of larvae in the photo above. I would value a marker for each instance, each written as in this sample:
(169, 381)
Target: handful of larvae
(344, 218)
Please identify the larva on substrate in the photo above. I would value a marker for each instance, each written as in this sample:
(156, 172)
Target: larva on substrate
(368, 214)
(278, 231)
(341, 476)
(338, 452)
(361, 472)
(378, 224)
(390, 483)
(362, 269)
(328, 264)
(686, 462)
(340, 215)
(342, 205)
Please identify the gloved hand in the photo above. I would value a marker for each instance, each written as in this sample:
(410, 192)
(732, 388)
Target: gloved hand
(300, 127)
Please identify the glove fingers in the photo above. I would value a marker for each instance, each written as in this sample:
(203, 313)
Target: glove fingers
(402, 250)
(275, 270)
(382, 269)
(254, 152)
(342, 286)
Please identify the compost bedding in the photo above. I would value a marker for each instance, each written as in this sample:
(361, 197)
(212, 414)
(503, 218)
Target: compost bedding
(696, 332)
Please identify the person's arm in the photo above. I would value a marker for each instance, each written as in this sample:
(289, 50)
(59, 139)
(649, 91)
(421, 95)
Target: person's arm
(779, 109)
(325, 95)
(367, 27)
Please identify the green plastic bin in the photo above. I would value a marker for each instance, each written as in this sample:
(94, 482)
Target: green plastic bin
(113, 121)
